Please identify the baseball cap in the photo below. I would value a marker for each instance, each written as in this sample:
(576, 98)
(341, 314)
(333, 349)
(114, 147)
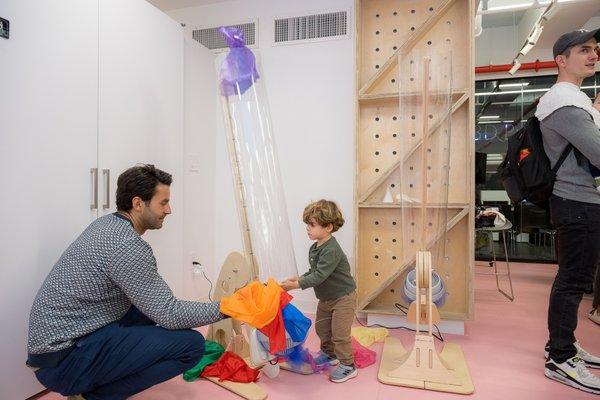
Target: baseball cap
(573, 39)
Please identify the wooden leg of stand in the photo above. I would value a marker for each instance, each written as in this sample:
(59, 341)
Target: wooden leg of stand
(235, 274)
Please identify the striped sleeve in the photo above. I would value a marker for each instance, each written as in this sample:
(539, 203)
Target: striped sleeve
(132, 267)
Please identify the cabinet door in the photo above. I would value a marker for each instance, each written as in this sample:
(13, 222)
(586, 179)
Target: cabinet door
(141, 111)
(141, 90)
(48, 133)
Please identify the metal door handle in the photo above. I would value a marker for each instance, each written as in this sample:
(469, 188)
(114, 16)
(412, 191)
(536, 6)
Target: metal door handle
(106, 175)
(94, 176)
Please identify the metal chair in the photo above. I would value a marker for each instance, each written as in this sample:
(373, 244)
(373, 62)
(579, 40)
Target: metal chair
(507, 227)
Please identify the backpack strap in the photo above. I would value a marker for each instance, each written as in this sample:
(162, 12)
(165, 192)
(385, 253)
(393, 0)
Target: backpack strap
(562, 158)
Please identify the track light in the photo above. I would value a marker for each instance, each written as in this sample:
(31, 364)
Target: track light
(515, 67)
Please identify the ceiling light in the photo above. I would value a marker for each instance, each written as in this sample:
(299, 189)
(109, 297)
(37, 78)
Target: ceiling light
(489, 116)
(535, 35)
(507, 85)
(510, 7)
(526, 91)
(526, 48)
(515, 67)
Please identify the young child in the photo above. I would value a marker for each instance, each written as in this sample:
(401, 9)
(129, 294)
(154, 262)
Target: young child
(334, 286)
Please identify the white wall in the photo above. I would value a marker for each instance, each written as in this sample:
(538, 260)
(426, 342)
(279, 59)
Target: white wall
(311, 92)
(201, 114)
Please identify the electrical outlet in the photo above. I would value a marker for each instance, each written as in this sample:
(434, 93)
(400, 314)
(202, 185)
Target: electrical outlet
(4, 28)
(195, 264)
(198, 269)
(193, 163)
(193, 257)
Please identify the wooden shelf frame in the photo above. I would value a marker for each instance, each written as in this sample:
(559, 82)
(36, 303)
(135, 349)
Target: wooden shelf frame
(426, 19)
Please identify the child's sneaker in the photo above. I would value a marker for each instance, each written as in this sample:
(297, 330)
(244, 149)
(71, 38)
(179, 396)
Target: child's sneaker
(323, 359)
(573, 372)
(343, 373)
(594, 315)
(590, 361)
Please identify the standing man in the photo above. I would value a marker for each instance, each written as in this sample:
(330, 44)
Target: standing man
(567, 115)
(104, 324)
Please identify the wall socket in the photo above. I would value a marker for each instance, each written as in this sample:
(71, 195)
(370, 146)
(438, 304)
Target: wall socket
(195, 264)
(4, 28)
(198, 269)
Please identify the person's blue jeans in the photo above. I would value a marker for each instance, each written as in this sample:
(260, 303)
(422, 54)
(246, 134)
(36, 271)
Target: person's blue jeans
(578, 251)
(124, 358)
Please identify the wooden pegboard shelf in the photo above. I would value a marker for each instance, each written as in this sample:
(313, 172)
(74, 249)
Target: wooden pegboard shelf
(390, 32)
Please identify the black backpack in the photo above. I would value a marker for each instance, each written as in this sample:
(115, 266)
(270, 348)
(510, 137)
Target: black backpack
(525, 171)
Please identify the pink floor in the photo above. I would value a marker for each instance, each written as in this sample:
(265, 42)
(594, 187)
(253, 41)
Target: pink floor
(503, 346)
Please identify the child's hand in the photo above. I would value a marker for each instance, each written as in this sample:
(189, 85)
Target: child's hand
(290, 284)
(597, 103)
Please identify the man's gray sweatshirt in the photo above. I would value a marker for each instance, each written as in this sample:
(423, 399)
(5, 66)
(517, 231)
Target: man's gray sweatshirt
(108, 268)
(573, 125)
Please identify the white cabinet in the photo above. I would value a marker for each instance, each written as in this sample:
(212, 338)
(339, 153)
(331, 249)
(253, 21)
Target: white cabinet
(141, 87)
(84, 84)
(141, 111)
(48, 136)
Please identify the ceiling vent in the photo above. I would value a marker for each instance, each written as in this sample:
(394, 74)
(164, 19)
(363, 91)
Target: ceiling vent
(317, 27)
(211, 37)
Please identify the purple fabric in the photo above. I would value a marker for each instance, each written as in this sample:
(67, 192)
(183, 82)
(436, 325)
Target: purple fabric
(237, 72)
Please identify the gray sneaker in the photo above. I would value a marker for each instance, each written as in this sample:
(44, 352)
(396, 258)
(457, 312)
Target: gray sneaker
(343, 373)
(323, 359)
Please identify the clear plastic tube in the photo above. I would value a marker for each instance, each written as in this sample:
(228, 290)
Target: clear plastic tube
(260, 197)
(425, 109)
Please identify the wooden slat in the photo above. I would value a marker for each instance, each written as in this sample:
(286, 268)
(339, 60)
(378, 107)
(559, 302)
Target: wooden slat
(376, 96)
(411, 205)
(410, 261)
(363, 198)
(407, 45)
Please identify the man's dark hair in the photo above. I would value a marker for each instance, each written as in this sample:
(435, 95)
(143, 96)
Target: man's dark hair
(139, 181)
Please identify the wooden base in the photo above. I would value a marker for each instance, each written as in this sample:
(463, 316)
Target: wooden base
(394, 356)
(304, 369)
(235, 273)
(250, 391)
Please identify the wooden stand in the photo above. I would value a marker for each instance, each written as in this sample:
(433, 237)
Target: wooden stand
(423, 368)
(235, 274)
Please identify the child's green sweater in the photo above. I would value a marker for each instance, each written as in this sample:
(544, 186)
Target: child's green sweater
(329, 272)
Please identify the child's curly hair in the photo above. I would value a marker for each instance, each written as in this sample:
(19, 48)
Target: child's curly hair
(324, 212)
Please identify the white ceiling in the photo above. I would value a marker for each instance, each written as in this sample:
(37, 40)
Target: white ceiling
(571, 14)
(512, 18)
(168, 5)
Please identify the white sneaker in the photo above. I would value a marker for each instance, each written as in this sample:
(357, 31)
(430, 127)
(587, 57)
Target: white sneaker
(590, 361)
(573, 372)
(594, 315)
